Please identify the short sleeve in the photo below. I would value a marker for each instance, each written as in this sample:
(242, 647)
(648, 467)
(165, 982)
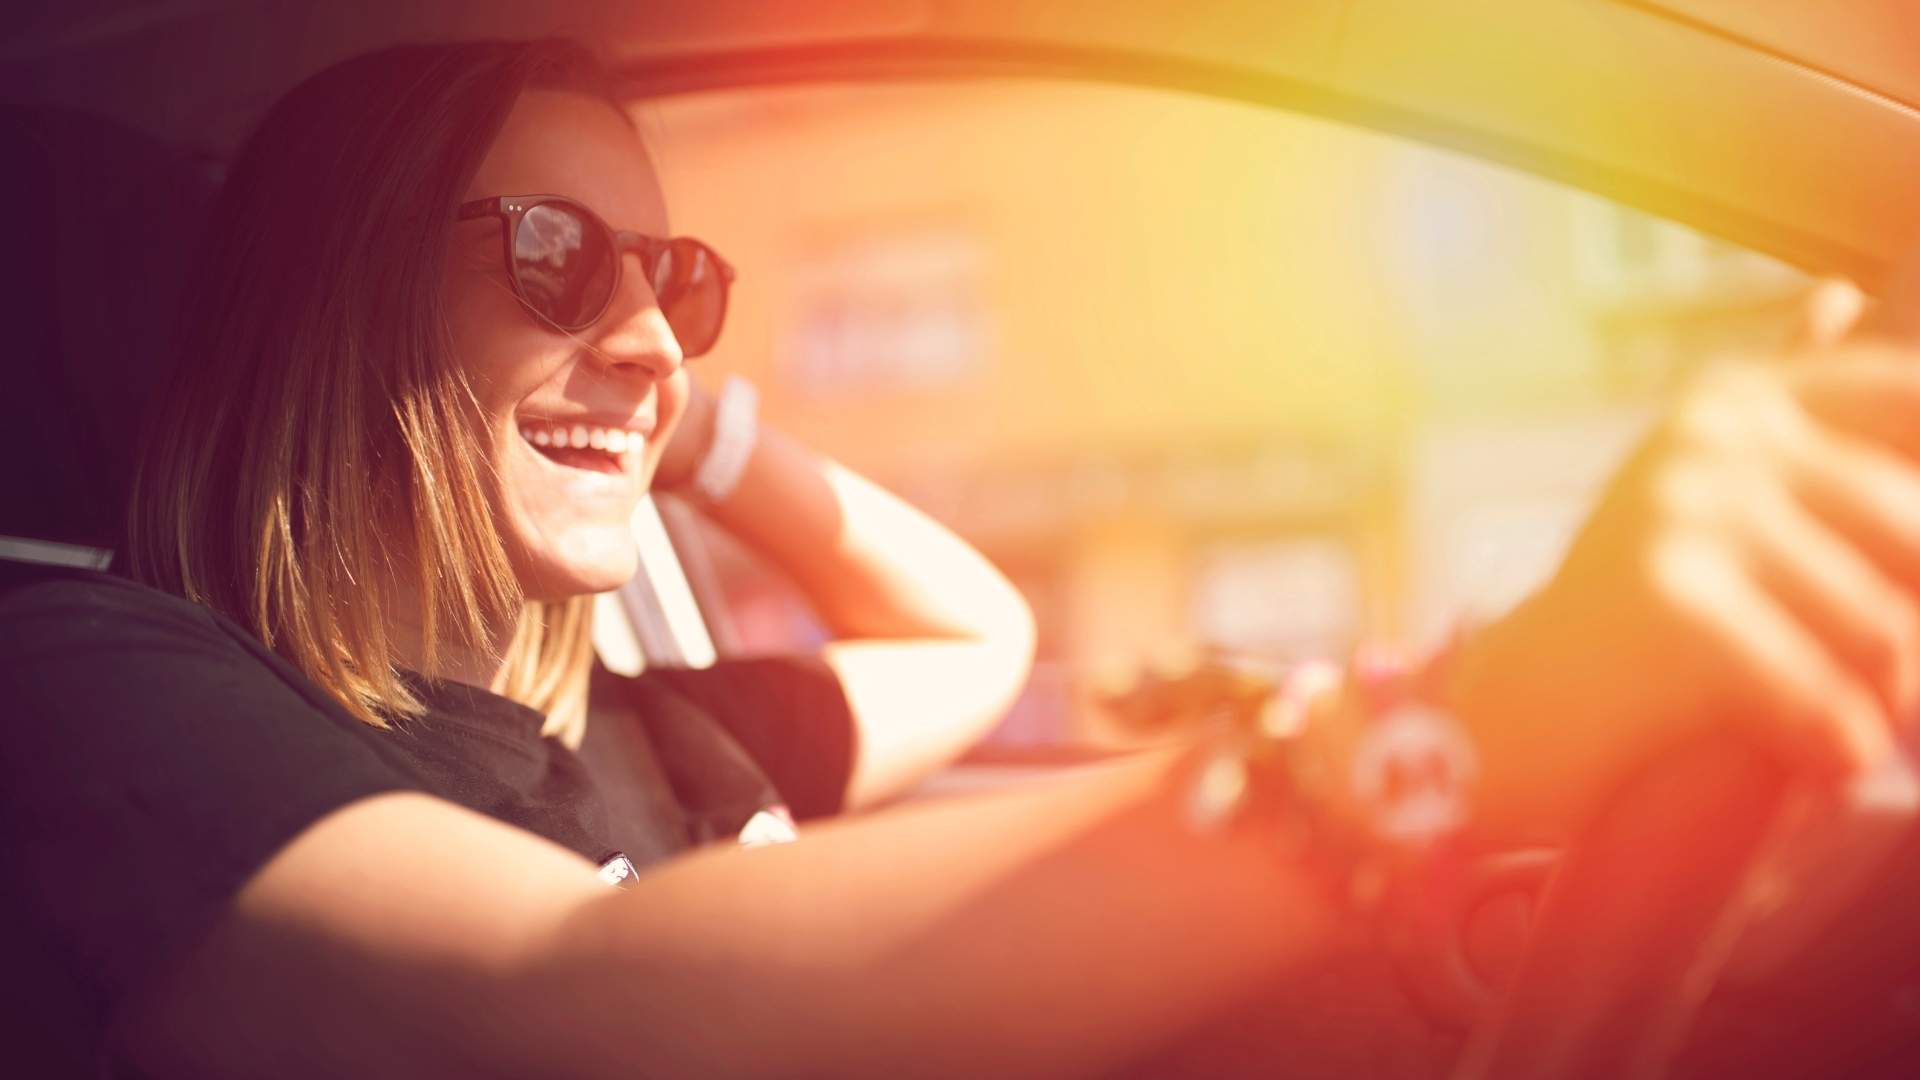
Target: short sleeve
(789, 712)
(155, 758)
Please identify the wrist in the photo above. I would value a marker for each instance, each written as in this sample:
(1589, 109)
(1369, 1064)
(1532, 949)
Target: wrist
(692, 438)
(708, 455)
(1494, 686)
(1412, 769)
(735, 431)
(1362, 771)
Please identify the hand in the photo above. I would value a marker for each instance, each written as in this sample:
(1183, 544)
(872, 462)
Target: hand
(688, 443)
(1755, 563)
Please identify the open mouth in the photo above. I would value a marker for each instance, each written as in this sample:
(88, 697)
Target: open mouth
(583, 446)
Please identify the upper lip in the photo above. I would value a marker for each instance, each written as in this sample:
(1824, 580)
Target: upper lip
(642, 424)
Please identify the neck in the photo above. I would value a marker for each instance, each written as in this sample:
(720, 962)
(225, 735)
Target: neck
(454, 659)
(454, 662)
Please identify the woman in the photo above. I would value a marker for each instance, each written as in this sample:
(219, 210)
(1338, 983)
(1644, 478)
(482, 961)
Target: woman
(371, 523)
(341, 828)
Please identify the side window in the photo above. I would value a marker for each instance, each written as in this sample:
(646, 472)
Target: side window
(1194, 374)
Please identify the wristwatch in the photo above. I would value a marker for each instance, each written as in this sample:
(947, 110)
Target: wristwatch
(736, 428)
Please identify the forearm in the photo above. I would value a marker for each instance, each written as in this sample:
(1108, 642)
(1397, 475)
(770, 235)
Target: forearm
(932, 642)
(1057, 931)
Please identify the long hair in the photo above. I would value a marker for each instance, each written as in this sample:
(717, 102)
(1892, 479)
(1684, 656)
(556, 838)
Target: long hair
(316, 406)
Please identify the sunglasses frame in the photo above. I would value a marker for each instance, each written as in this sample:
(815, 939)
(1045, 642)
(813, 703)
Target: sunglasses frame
(512, 210)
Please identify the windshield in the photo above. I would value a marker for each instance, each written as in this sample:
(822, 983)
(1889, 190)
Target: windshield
(1196, 374)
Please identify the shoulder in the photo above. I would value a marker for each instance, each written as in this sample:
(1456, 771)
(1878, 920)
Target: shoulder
(797, 696)
(46, 589)
(68, 638)
(789, 712)
(72, 637)
(97, 669)
(46, 610)
(156, 757)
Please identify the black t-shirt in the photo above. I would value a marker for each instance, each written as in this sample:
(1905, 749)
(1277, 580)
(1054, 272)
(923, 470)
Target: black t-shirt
(157, 755)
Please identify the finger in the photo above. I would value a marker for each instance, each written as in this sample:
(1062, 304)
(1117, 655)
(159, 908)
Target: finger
(1804, 700)
(1832, 309)
(1873, 394)
(1861, 617)
(1869, 495)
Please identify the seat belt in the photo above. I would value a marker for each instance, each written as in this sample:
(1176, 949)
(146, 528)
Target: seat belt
(654, 618)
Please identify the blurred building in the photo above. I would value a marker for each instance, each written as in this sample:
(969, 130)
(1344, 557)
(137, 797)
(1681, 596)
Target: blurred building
(1191, 373)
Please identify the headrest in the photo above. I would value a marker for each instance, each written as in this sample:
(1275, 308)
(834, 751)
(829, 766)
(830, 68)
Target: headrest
(102, 224)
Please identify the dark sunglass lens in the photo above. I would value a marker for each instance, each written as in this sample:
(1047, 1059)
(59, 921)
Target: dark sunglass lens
(693, 295)
(565, 264)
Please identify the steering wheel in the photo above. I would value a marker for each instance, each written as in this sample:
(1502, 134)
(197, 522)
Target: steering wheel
(1641, 917)
(1632, 925)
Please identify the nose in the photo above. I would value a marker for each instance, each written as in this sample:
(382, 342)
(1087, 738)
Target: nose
(633, 336)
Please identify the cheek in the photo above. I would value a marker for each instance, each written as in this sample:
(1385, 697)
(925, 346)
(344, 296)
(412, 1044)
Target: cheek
(504, 368)
(503, 355)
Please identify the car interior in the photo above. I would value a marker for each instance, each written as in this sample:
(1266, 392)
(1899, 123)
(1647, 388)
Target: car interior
(1667, 141)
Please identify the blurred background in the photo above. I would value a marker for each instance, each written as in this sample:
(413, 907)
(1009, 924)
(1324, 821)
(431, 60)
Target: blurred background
(1193, 373)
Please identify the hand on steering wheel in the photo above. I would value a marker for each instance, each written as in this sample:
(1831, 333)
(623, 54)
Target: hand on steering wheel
(1794, 521)
(1757, 562)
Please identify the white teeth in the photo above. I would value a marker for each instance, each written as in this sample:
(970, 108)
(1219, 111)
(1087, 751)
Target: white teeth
(580, 437)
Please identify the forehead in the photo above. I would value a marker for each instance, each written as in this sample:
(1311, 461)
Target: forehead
(558, 142)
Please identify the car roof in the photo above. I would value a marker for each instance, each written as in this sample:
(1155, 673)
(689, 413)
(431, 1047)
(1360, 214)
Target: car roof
(1783, 126)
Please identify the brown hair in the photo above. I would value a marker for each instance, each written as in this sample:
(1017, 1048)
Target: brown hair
(316, 406)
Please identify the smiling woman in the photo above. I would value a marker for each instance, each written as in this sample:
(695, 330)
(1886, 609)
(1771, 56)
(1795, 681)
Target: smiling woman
(435, 356)
(428, 480)
(407, 433)
(441, 403)
(340, 499)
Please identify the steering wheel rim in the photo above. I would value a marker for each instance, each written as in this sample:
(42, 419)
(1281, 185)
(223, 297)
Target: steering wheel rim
(1637, 923)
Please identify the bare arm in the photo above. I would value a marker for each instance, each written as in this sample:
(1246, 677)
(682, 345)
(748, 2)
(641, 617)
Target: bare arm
(1065, 929)
(1055, 931)
(934, 642)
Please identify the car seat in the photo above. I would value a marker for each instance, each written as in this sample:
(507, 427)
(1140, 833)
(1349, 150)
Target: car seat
(104, 220)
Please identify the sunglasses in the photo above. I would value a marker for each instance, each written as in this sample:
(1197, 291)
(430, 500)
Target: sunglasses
(565, 264)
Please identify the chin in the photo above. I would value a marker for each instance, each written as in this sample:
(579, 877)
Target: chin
(588, 566)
